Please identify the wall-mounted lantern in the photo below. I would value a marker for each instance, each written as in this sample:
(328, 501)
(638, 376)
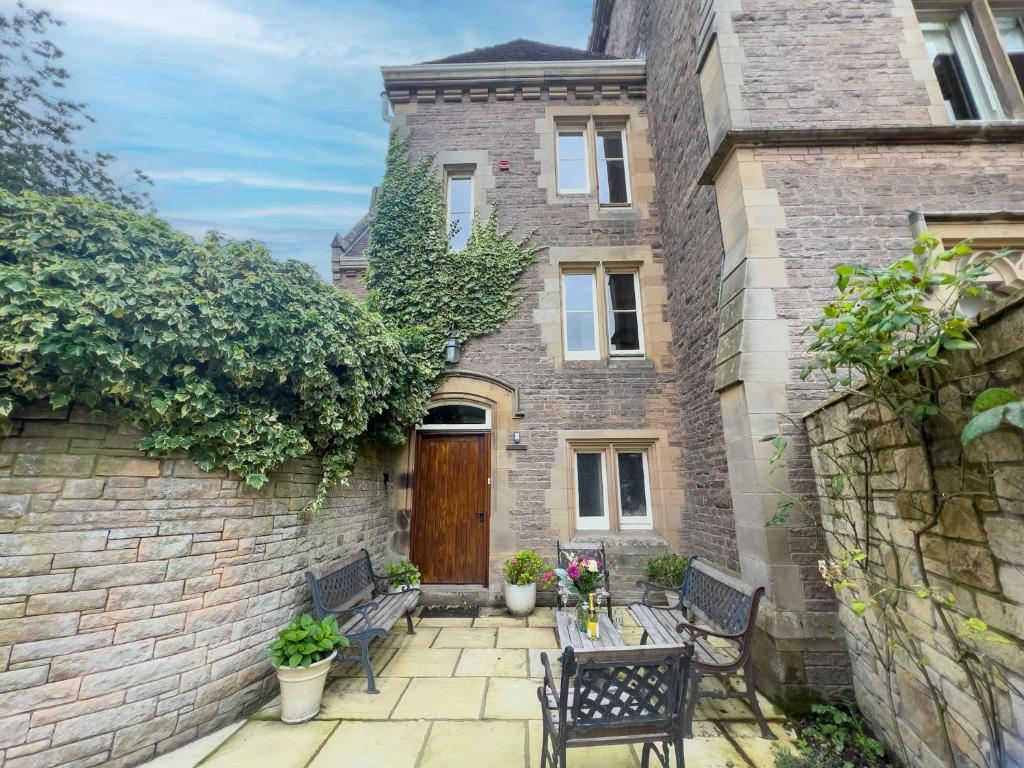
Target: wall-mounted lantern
(452, 350)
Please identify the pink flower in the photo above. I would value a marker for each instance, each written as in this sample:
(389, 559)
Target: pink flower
(573, 571)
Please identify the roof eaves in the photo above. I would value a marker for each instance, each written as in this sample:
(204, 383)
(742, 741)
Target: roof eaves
(516, 72)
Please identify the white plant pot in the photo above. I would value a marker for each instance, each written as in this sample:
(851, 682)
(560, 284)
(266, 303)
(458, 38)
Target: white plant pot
(520, 600)
(672, 598)
(301, 690)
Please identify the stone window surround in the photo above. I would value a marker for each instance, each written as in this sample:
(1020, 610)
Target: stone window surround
(639, 160)
(468, 161)
(662, 458)
(600, 271)
(1007, 274)
(980, 14)
(609, 449)
(657, 332)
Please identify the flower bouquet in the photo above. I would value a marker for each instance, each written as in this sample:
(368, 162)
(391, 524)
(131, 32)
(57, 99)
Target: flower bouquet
(581, 576)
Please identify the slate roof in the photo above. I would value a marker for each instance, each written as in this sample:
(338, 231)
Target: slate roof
(521, 50)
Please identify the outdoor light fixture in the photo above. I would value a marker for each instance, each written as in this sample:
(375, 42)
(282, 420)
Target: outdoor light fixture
(452, 350)
(517, 438)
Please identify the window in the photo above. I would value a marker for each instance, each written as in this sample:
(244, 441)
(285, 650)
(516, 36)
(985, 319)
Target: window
(612, 177)
(580, 325)
(456, 416)
(959, 67)
(1011, 32)
(573, 177)
(620, 333)
(574, 146)
(460, 209)
(625, 330)
(626, 472)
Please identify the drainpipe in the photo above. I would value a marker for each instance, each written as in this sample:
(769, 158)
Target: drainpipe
(385, 112)
(917, 224)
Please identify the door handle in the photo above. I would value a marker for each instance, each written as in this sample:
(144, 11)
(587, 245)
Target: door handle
(481, 516)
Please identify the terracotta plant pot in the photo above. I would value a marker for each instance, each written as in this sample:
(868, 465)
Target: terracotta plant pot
(520, 600)
(301, 690)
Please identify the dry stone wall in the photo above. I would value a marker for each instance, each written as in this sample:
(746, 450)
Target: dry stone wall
(137, 595)
(976, 552)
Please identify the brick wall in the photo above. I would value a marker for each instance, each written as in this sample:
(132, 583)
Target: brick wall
(692, 246)
(137, 595)
(976, 552)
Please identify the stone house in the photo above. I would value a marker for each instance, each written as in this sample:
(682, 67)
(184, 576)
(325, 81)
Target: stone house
(699, 169)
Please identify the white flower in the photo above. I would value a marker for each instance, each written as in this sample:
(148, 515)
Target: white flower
(592, 566)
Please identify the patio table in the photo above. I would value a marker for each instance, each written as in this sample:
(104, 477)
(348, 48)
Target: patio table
(569, 633)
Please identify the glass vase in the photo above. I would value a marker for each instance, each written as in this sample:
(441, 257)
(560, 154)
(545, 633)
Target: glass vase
(582, 613)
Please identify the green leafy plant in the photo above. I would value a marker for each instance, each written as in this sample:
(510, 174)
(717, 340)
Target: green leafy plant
(526, 567)
(402, 573)
(306, 641)
(666, 570)
(213, 348)
(994, 407)
(833, 736)
(416, 279)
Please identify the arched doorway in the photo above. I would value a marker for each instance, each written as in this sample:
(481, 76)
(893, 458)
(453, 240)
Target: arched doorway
(450, 536)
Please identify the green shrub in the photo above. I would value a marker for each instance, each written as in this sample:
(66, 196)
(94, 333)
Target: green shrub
(402, 573)
(213, 348)
(833, 736)
(525, 567)
(306, 641)
(666, 570)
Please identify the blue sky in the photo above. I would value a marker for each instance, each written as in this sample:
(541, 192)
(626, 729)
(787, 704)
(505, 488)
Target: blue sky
(262, 118)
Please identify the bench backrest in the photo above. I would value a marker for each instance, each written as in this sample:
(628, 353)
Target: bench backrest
(343, 584)
(718, 598)
(624, 687)
(594, 551)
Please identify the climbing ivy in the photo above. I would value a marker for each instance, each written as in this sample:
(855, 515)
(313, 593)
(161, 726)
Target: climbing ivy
(417, 279)
(217, 349)
(213, 348)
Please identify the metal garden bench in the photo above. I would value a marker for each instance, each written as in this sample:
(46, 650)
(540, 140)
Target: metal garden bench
(349, 588)
(595, 551)
(727, 605)
(608, 696)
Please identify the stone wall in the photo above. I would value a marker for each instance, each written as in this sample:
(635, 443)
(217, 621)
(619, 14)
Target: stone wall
(976, 552)
(137, 595)
(558, 401)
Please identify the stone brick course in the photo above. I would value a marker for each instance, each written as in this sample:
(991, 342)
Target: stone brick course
(137, 595)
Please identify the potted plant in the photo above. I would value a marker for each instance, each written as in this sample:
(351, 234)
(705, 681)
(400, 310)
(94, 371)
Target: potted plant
(402, 576)
(522, 572)
(302, 654)
(667, 571)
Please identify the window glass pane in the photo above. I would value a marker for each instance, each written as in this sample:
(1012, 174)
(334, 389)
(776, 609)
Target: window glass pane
(456, 413)
(956, 59)
(624, 332)
(572, 165)
(579, 332)
(460, 210)
(579, 292)
(1011, 30)
(632, 485)
(622, 291)
(590, 484)
(609, 145)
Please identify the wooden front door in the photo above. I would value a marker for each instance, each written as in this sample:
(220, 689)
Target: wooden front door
(451, 508)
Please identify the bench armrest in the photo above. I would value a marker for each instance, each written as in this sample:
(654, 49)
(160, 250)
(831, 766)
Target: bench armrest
(364, 611)
(549, 677)
(404, 578)
(694, 631)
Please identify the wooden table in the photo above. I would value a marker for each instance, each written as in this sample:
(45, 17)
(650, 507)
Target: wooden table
(569, 633)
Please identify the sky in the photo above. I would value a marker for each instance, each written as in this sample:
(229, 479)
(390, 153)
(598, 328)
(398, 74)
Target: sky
(261, 118)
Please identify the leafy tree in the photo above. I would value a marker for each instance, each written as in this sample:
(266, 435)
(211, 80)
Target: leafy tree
(213, 348)
(38, 125)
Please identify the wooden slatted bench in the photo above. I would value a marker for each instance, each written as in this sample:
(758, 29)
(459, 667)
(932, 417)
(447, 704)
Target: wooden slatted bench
(350, 590)
(728, 606)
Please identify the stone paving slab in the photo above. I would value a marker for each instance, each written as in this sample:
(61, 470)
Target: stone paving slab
(459, 705)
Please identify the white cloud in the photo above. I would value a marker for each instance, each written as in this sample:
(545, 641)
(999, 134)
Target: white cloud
(200, 21)
(243, 179)
(333, 213)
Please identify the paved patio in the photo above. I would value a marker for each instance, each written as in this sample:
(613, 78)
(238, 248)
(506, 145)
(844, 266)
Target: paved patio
(459, 691)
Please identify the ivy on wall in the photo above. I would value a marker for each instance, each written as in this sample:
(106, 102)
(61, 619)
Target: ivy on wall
(413, 275)
(213, 348)
(219, 350)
